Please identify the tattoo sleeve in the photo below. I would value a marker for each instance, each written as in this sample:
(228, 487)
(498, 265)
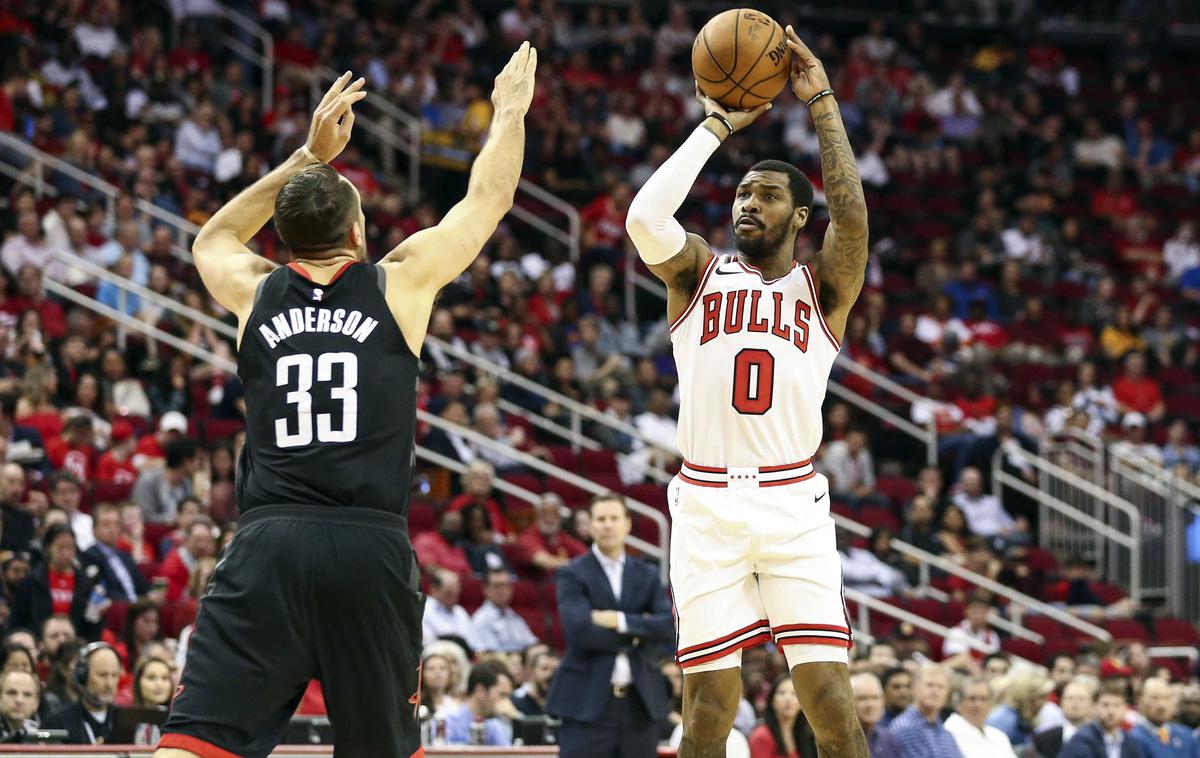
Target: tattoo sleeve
(844, 253)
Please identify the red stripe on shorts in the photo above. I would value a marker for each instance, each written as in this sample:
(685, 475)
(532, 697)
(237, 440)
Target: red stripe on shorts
(721, 640)
(811, 641)
(810, 628)
(758, 639)
(194, 745)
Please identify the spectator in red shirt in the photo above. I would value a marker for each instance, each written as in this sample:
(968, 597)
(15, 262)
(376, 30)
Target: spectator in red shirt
(74, 452)
(477, 486)
(201, 542)
(33, 295)
(116, 464)
(543, 547)
(785, 732)
(1137, 393)
(440, 549)
(58, 587)
(151, 448)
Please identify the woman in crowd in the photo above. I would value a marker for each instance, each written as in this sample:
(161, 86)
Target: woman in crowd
(479, 542)
(18, 658)
(152, 683)
(785, 732)
(953, 532)
(435, 686)
(459, 666)
(142, 626)
(1016, 716)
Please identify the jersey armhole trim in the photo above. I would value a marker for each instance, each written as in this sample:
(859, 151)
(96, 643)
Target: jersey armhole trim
(258, 290)
(381, 280)
(817, 306)
(712, 265)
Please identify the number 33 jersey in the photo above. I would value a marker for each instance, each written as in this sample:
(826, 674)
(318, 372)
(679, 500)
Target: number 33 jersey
(331, 392)
(754, 357)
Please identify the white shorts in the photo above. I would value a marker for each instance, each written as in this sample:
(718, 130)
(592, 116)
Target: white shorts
(752, 565)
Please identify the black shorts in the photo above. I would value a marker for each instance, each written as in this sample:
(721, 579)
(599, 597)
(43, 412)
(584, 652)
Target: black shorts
(304, 593)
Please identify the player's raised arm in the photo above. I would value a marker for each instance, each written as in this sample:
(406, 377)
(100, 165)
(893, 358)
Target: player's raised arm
(842, 263)
(673, 255)
(434, 257)
(228, 268)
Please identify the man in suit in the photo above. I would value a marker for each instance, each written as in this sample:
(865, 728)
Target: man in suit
(616, 619)
(89, 720)
(1105, 737)
(1078, 707)
(119, 574)
(1157, 735)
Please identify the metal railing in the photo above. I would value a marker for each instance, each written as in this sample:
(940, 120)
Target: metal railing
(1097, 524)
(866, 604)
(569, 237)
(578, 411)
(39, 164)
(125, 321)
(1019, 602)
(548, 469)
(264, 60)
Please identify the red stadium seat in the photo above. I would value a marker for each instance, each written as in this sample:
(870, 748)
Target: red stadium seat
(898, 489)
(1108, 593)
(934, 610)
(526, 595)
(571, 495)
(598, 461)
(562, 456)
(654, 495)
(471, 596)
(536, 620)
(1126, 630)
(531, 482)
(1184, 405)
(879, 517)
(1045, 626)
(1173, 631)
(1060, 646)
(1041, 560)
(421, 517)
(1030, 651)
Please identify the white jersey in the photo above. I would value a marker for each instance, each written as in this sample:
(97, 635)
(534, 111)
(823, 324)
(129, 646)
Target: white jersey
(754, 357)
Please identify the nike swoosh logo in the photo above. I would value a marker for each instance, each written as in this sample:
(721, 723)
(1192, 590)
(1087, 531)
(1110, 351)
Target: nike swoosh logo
(727, 273)
(818, 498)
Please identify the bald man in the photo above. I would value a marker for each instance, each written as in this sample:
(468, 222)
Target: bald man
(1078, 703)
(1156, 734)
(868, 705)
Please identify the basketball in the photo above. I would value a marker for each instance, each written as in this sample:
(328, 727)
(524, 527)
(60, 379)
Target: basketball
(741, 59)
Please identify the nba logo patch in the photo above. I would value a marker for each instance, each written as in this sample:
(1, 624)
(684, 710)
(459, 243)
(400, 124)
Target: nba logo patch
(318, 294)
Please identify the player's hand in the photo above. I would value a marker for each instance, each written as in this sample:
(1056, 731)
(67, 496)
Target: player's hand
(334, 118)
(514, 84)
(739, 120)
(808, 75)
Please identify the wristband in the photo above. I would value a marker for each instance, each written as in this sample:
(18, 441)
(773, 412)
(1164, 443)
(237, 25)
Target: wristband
(308, 155)
(818, 96)
(724, 121)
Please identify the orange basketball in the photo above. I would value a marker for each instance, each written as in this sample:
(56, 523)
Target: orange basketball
(741, 59)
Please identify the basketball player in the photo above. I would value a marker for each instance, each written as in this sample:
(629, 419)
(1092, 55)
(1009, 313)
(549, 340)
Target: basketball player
(755, 334)
(321, 580)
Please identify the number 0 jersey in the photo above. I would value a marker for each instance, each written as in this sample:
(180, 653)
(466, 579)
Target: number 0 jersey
(331, 390)
(754, 357)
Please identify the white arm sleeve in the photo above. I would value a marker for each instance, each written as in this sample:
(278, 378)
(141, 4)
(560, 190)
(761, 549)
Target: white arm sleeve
(651, 221)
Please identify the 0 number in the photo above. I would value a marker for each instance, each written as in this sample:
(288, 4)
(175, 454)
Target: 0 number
(753, 381)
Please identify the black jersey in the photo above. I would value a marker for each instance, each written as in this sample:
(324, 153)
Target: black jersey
(330, 395)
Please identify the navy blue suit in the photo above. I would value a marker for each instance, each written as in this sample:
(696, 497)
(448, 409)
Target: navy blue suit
(1088, 742)
(595, 723)
(94, 556)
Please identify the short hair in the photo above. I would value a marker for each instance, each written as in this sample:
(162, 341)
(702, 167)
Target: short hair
(106, 507)
(799, 186)
(314, 209)
(892, 673)
(179, 451)
(1113, 689)
(972, 681)
(997, 656)
(58, 477)
(55, 617)
(605, 497)
(487, 673)
(55, 532)
(37, 685)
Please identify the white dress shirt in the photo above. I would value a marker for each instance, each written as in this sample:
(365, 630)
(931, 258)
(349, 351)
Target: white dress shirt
(974, 742)
(447, 621)
(500, 629)
(958, 640)
(615, 569)
(1112, 743)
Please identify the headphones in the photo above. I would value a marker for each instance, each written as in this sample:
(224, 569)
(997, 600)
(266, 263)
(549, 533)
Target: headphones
(81, 667)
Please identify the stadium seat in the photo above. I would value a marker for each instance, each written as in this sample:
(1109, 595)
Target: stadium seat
(526, 594)
(1030, 651)
(1039, 559)
(934, 610)
(1126, 630)
(471, 596)
(573, 496)
(1175, 631)
(1045, 626)
(879, 517)
(531, 482)
(421, 517)
(1060, 646)
(653, 495)
(598, 461)
(1108, 593)
(898, 489)
(1183, 405)
(562, 456)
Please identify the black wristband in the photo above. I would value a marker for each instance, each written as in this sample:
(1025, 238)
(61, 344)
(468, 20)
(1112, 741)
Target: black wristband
(723, 121)
(819, 95)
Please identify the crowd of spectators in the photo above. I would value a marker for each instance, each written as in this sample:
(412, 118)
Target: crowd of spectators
(1035, 268)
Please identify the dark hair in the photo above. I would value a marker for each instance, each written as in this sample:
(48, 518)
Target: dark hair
(138, 699)
(799, 186)
(802, 733)
(62, 667)
(179, 452)
(54, 533)
(58, 477)
(1114, 688)
(314, 209)
(12, 647)
(487, 674)
(892, 673)
(136, 611)
(605, 497)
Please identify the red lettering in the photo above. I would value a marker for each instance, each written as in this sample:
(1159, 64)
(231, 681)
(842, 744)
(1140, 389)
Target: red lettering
(803, 313)
(778, 328)
(757, 324)
(735, 314)
(712, 316)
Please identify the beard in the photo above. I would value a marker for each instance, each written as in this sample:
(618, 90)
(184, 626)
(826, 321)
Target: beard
(761, 247)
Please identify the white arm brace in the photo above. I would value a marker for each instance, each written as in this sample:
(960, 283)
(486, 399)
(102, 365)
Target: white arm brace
(651, 221)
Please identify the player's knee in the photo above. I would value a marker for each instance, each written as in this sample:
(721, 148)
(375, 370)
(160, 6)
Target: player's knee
(710, 708)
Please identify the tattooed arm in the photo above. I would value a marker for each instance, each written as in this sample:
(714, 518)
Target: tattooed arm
(842, 264)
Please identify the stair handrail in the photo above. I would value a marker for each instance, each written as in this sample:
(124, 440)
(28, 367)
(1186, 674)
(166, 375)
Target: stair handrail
(267, 58)
(186, 229)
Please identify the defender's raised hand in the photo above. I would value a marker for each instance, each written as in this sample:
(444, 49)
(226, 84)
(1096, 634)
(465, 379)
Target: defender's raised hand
(514, 84)
(808, 75)
(334, 118)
